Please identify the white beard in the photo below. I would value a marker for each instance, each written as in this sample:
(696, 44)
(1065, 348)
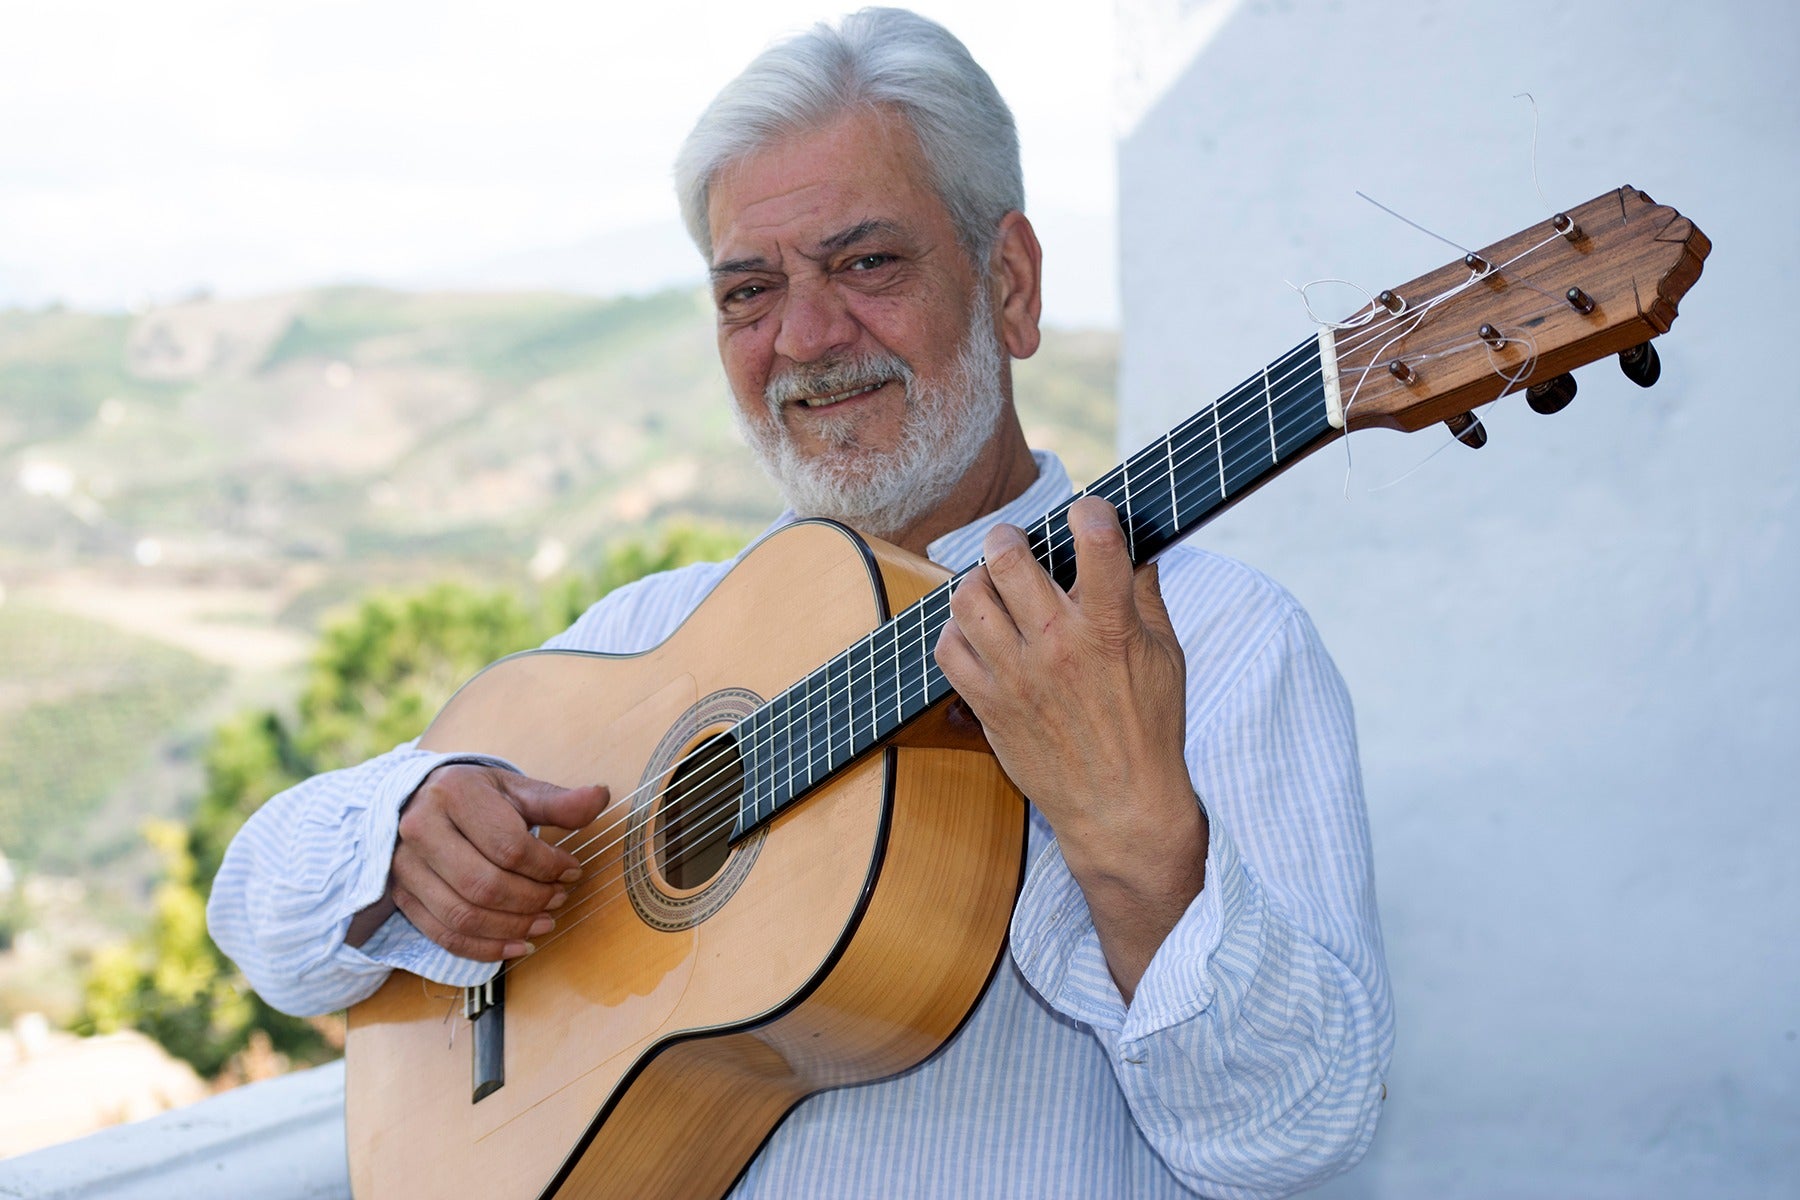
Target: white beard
(883, 492)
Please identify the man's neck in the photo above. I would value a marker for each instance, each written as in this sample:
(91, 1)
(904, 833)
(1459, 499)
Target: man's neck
(998, 476)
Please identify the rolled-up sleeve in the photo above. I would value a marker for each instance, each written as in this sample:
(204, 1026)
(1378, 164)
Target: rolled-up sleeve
(301, 869)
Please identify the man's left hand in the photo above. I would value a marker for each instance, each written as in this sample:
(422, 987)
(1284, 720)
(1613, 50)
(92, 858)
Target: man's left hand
(1083, 699)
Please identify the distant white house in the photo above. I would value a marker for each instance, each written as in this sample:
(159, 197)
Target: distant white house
(1573, 652)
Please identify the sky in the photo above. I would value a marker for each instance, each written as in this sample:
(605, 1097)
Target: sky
(152, 151)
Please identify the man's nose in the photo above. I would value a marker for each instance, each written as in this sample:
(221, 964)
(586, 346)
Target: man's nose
(815, 323)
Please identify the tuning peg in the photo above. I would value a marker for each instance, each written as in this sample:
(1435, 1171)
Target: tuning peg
(1552, 395)
(1468, 430)
(1640, 364)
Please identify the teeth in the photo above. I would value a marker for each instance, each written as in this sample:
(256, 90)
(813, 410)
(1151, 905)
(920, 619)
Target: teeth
(837, 397)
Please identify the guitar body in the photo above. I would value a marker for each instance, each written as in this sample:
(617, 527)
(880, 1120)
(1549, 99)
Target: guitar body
(667, 1025)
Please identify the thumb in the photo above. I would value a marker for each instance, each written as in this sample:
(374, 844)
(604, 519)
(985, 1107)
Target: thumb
(542, 803)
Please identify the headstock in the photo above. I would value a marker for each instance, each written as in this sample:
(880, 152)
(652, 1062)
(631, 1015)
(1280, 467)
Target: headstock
(1601, 279)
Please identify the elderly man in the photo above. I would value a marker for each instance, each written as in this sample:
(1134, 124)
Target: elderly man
(1195, 1001)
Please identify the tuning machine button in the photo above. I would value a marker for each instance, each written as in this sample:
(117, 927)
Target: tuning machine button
(1552, 395)
(1641, 364)
(1468, 430)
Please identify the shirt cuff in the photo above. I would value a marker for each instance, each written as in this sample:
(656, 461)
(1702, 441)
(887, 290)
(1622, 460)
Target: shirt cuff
(397, 943)
(1058, 950)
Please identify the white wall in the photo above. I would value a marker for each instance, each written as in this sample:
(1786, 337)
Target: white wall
(1574, 653)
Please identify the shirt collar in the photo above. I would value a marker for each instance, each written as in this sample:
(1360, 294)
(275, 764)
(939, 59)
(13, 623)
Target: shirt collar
(960, 547)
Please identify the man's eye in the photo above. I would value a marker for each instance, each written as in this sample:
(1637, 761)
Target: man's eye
(739, 295)
(868, 262)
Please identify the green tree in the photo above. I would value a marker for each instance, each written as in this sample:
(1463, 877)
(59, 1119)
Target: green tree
(374, 681)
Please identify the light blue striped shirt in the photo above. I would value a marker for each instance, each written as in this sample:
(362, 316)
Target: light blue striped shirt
(1249, 1062)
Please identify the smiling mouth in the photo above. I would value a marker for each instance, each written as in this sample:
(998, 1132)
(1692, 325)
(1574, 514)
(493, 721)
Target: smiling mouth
(840, 397)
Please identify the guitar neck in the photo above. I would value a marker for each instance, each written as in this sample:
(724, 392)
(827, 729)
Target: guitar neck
(862, 697)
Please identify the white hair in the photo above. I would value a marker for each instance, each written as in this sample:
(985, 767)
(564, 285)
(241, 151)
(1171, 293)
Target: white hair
(878, 58)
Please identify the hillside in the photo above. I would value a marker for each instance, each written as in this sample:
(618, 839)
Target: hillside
(187, 491)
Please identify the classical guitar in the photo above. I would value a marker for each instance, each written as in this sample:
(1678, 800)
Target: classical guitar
(811, 882)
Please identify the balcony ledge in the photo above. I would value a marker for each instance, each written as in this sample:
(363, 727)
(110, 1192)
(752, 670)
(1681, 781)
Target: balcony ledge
(282, 1139)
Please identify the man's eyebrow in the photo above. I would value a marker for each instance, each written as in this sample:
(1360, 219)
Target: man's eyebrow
(738, 266)
(846, 238)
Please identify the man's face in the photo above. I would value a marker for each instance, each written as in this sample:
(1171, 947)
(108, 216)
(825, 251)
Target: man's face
(854, 330)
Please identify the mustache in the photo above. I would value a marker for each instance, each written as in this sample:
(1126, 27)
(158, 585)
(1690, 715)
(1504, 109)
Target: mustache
(827, 377)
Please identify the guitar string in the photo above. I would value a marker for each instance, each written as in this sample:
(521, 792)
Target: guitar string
(1249, 406)
(635, 822)
(631, 875)
(602, 895)
(673, 847)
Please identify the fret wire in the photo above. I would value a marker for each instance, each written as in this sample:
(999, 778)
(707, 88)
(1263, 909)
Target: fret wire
(830, 725)
(808, 765)
(1130, 534)
(1269, 406)
(1169, 458)
(787, 736)
(924, 656)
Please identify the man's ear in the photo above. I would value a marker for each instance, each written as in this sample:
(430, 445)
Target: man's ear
(1018, 275)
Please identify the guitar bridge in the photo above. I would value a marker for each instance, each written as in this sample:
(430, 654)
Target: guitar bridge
(485, 1007)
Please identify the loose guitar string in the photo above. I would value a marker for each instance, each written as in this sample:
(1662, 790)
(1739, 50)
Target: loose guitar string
(1513, 381)
(673, 847)
(1253, 407)
(1524, 340)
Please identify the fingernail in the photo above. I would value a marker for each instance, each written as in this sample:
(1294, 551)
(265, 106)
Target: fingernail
(571, 875)
(517, 950)
(556, 901)
(541, 926)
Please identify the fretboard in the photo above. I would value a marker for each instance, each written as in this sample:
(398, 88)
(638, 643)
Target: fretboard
(863, 696)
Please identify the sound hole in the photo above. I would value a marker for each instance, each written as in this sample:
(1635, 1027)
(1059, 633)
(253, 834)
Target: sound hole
(693, 835)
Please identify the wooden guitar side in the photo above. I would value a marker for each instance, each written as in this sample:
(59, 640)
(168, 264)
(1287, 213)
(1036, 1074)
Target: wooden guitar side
(653, 1062)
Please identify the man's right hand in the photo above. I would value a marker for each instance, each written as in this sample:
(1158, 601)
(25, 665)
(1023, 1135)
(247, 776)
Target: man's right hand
(467, 871)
